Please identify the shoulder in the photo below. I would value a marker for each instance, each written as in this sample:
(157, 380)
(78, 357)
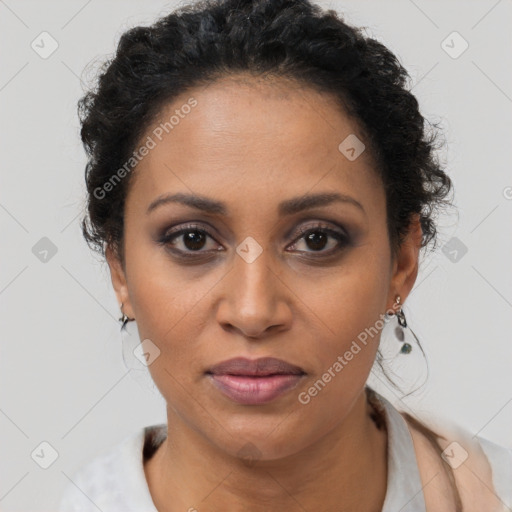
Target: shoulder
(480, 470)
(105, 482)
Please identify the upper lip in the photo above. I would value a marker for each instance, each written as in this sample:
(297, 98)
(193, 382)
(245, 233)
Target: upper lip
(255, 367)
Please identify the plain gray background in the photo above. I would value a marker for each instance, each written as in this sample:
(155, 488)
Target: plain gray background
(63, 380)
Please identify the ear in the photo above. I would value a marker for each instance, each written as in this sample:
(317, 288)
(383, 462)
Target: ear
(405, 266)
(118, 277)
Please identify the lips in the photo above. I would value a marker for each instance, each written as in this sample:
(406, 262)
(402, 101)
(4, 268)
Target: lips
(261, 367)
(255, 382)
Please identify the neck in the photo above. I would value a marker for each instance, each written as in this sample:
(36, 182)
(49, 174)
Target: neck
(345, 470)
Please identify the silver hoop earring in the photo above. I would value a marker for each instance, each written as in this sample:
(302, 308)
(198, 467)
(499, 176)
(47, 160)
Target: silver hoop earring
(124, 319)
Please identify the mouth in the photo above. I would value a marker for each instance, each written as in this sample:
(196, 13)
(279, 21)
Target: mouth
(262, 367)
(254, 382)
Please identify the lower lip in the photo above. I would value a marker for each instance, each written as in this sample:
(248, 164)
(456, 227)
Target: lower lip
(254, 390)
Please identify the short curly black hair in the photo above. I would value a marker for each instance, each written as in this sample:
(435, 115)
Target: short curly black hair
(293, 39)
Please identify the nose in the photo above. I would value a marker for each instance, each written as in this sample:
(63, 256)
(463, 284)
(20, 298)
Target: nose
(255, 299)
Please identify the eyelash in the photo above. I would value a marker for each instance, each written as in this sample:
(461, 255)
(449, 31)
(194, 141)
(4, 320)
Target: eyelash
(343, 239)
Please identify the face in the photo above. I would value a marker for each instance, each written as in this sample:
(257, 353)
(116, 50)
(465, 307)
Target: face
(259, 267)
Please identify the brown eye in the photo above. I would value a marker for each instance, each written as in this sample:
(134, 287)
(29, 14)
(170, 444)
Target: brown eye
(194, 240)
(189, 239)
(316, 240)
(321, 239)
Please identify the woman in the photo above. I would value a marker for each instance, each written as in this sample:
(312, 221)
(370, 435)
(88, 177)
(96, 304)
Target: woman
(261, 184)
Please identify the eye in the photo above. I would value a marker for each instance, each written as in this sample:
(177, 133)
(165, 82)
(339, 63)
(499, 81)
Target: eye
(321, 238)
(190, 238)
(193, 240)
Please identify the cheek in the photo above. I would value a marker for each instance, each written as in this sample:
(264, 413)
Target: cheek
(350, 298)
(168, 312)
(348, 316)
(171, 309)
(346, 351)
(171, 321)
(161, 292)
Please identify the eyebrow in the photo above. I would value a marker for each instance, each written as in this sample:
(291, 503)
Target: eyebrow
(288, 207)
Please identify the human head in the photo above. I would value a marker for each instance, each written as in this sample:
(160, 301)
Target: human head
(300, 66)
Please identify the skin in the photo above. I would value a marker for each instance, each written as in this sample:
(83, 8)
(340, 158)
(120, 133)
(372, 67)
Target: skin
(251, 144)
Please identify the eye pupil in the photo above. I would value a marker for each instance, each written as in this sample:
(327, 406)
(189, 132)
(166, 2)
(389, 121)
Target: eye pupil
(318, 240)
(194, 240)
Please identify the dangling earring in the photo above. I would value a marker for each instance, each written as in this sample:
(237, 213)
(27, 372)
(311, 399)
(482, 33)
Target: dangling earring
(400, 328)
(131, 353)
(124, 319)
(129, 341)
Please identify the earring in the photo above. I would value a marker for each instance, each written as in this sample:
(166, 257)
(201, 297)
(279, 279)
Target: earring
(400, 328)
(130, 353)
(124, 319)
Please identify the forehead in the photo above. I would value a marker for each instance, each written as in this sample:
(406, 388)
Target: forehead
(252, 134)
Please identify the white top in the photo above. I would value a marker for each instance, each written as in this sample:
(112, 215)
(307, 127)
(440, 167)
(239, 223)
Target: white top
(115, 481)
